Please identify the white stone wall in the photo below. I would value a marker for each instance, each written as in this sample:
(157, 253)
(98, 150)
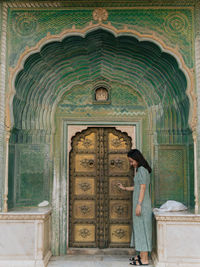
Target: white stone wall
(25, 238)
(177, 239)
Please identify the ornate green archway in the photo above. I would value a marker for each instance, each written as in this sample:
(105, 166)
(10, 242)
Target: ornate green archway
(63, 74)
(139, 64)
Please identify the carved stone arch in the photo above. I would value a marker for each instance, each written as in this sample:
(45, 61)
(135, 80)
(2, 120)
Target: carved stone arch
(107, 27)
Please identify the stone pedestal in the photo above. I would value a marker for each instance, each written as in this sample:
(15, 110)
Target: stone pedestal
(178, 235)
(25, 237)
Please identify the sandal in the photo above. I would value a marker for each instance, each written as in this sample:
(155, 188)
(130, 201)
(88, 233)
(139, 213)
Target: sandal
(139, 261)
(134, 258)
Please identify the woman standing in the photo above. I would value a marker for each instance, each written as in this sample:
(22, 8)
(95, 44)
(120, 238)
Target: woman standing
(142, 211)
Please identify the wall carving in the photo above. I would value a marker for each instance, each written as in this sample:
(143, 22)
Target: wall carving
(24, 24)
(100, 14)
(171, 24)
(176, 23)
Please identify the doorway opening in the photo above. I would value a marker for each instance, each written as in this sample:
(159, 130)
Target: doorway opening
(100, 214)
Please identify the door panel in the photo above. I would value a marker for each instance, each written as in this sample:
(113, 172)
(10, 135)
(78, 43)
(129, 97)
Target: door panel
(100, 212)
(84, 186)
(120, 209)
(84, 209)
(120, 234)
(85, 163)
(84, 233)
(119, 200)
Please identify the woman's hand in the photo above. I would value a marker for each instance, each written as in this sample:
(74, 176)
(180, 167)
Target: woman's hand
(121, 186)
(138, 210)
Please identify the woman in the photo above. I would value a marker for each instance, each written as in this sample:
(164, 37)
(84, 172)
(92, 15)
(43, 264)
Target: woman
(142, 211)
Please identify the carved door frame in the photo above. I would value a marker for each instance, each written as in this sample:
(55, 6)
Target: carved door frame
(70, 128)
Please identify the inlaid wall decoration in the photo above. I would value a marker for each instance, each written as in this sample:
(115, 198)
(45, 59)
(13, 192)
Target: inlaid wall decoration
(166, 23)
(171, 178)
(32, 174)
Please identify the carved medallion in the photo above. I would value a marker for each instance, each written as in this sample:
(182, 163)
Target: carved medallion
(120, 209)
(85, 186)
(119, 233)
(87, 142)
(114, 188)
(176, 23)
(85, 209)
(24, 24)
(100, 14)
(116, 142)
(87, 163)
(84, 233)
(116, 163)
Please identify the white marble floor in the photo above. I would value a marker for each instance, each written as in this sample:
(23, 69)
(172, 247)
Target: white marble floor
(90, 261)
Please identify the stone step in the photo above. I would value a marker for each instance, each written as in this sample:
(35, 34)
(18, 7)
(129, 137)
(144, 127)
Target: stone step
(90, 261)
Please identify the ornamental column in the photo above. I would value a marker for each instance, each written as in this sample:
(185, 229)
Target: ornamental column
(196, 130)
(3, 50)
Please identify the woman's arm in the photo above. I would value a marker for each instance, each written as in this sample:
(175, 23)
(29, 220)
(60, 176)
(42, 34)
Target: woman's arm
(140, 199)
(126, 188)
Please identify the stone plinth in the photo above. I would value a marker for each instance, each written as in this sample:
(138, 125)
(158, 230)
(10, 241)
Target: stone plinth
(25, 238)
(178, 235)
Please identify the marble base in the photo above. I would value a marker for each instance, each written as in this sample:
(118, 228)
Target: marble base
(91, 261)
(178, 242)
(25, 238)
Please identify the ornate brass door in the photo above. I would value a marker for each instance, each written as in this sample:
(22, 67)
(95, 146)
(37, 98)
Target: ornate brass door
(100, 213)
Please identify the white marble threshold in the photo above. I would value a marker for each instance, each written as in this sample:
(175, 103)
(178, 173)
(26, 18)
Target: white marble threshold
(91, 261)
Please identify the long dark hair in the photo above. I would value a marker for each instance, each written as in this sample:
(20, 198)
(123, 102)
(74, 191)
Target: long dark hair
(137, 155)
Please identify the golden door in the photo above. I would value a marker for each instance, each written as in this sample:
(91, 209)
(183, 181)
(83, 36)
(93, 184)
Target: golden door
(100, 212)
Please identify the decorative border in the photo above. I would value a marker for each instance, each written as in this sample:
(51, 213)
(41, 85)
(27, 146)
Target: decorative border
(88, 3)
(23, 216)
(3, 112)
(177, 218)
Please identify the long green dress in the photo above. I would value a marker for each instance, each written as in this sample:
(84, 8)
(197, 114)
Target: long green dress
(142, 225)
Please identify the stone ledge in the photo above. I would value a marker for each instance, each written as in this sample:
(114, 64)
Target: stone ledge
(26, 214)
(177, 216)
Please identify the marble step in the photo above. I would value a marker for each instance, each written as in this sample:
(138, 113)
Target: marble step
(91, 261)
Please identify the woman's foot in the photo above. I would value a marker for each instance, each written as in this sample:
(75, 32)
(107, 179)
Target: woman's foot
(135, 258)
(139, 262)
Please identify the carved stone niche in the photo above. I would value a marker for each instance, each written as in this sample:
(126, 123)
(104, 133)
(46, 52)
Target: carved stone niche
(101, 95)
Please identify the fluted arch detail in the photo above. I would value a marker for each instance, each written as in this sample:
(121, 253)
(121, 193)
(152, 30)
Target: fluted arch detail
(83, 57)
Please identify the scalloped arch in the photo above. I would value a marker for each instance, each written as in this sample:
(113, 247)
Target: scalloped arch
(40, 80)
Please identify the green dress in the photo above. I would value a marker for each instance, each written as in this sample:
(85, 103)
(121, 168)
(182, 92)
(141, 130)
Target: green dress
(142, 225)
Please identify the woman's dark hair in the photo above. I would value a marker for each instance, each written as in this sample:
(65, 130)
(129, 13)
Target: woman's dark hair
(137, 155)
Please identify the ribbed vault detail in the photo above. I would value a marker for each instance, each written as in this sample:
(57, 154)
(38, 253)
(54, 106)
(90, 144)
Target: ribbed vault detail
(124, 59)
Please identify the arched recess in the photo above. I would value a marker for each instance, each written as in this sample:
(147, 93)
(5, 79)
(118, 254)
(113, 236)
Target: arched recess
(139, 66)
